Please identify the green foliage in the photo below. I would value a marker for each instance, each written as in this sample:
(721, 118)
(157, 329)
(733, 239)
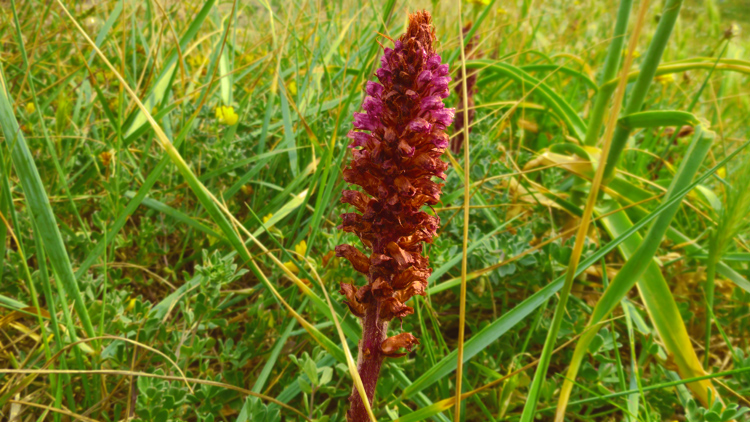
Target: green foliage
(159, 400)
(128, 248)
(716, 413)
(255, 410)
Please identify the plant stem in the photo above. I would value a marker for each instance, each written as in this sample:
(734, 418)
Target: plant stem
(642, 84)
(369, 361)
(713, 258)
(465, 254)
(611, 65)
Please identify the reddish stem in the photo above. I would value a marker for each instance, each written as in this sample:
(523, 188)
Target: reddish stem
(374, 331)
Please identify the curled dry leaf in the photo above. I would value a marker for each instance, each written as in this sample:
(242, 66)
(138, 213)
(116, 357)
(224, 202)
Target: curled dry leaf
(391, 346)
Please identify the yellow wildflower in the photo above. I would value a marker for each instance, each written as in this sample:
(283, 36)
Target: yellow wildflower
(301, 248)
(114, 104)
(196, 60)
(246, 190)
(30, 108)
(636, 53)
(247, 59)
(267, 218)
(665, 79)
(479, 2)
(732, 31)
(226, 115)
(292, 87)
(106, 157)
(291, 267)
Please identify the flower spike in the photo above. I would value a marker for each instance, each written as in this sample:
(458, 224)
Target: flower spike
(396, 148)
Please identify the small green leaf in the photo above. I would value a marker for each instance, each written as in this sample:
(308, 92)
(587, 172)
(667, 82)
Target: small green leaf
(161, 416)
(326, 374)
(304, 386)
(311, 371)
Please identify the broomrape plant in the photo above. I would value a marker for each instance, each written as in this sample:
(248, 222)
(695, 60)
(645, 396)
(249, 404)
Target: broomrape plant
(396, 151)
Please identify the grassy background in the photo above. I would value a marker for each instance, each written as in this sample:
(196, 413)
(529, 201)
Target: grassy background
(151, 276)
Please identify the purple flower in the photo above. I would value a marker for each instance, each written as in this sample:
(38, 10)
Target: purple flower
(443, 117)
(441, 83)
(420, 125)
(433, 62)
(442, 70)
(375, 89)
(365, 122)
(373, 106)
(431, 103)
(360, 139)
(424, 77)
(384, 75)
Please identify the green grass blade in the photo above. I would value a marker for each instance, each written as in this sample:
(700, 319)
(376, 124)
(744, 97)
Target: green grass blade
(11, 303)
(659, 118)
(49, 143)
(560, 69)
(629, 194)
(260, 381)
(164, 80)
(469, 35)
(176, 214)
(557, 104)
(39, 206)
(707, 63)
(130, 208)
(111, 20)
(290, 137)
